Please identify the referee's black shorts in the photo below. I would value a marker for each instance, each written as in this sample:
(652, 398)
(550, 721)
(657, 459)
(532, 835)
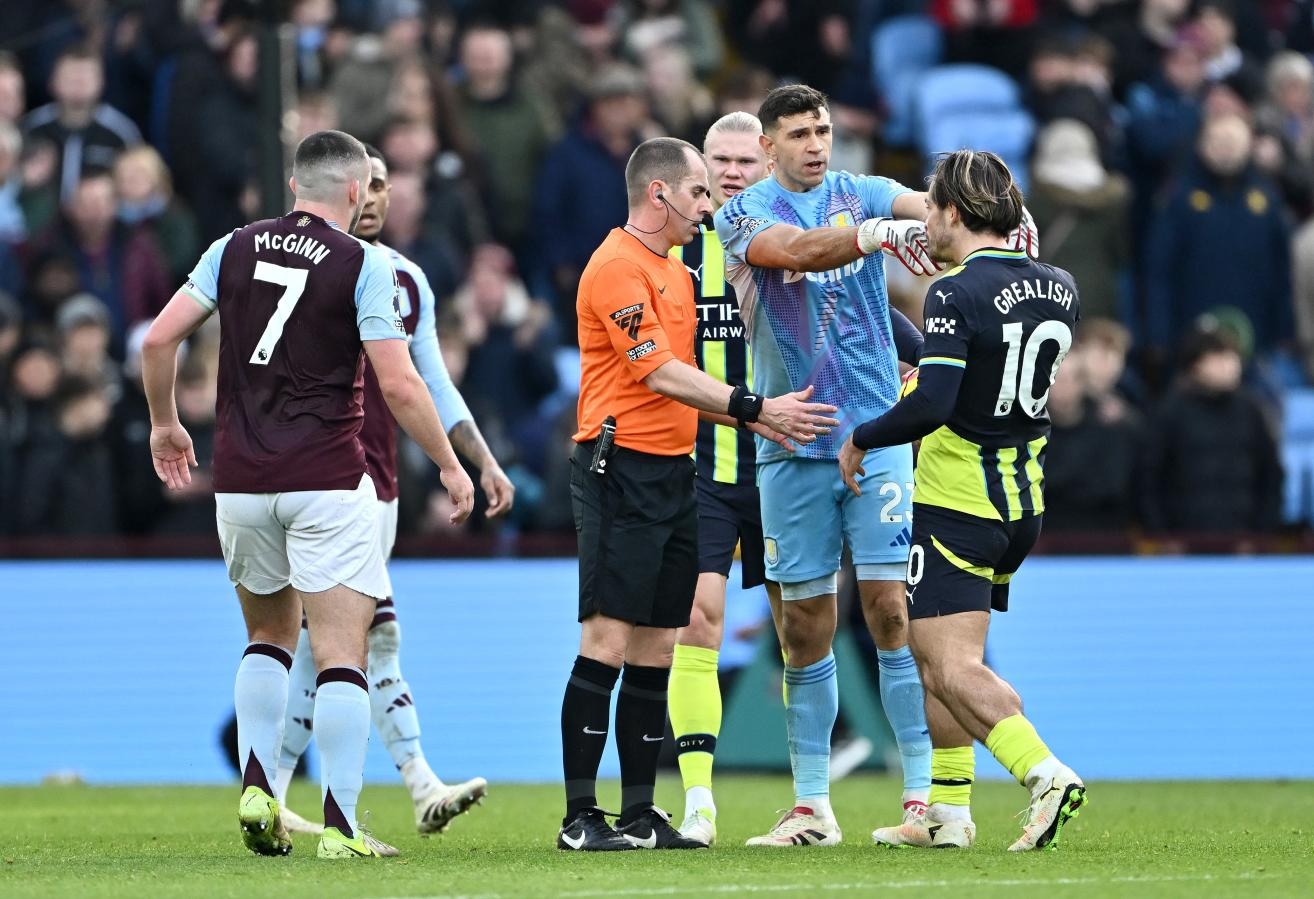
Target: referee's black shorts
(637, 528)
(730, 515)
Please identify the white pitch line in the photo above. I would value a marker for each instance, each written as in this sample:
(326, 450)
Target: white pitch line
(870, 885)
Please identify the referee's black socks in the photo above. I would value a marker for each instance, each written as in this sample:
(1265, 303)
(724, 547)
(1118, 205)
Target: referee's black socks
(584, 714)
(640, 729)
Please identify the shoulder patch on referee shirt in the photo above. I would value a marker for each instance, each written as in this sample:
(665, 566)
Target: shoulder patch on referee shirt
(629, 319)
(643, 349)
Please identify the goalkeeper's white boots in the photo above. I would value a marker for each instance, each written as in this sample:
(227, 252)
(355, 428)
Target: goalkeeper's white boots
(801, 826)
(436, 809)
(923, 829)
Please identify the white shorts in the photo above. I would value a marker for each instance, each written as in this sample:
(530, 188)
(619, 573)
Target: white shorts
(311, 539)
(387, 537)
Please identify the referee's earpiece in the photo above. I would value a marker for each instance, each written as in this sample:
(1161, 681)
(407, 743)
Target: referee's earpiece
(660, 196)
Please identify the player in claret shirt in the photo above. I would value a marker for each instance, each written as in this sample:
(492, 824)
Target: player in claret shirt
(301, 304)
(392, 705)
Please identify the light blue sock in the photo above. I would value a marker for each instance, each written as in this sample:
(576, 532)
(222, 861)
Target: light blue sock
(299, 723)
(391, 705)
(811, 705)
(905, 708)
(260, 700)
(342, 730)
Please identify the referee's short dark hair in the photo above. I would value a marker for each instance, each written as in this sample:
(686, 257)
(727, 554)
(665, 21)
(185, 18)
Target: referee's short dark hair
(658, 159)
(979, 185)
(788, 100)
(326, 160)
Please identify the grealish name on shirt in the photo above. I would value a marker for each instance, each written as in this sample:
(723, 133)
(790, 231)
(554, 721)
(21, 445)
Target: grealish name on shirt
(300, 244)
(1034, 288)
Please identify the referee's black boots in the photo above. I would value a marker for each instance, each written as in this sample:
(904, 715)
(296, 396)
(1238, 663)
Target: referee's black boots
(589, 831)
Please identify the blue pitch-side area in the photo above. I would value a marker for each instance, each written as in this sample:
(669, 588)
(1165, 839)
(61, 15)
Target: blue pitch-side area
(1131, 668)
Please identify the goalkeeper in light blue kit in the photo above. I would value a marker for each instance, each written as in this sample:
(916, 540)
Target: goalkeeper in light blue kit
(803, 251)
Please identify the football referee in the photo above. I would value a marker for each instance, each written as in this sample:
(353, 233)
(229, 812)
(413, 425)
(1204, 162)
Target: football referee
(632, 489)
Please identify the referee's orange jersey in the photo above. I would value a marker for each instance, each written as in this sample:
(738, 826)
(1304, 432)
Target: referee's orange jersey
(636, 312)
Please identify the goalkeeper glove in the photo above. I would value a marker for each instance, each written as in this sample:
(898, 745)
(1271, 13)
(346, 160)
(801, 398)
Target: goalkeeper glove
(904, 239)
(1026, 236)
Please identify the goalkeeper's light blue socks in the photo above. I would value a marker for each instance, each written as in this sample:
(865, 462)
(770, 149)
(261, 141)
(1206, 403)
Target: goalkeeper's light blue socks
(905, 708)
(811, 706)
(260, 699)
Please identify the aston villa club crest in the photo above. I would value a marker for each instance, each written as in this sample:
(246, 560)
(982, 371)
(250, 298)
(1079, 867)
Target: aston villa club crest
(303, 221)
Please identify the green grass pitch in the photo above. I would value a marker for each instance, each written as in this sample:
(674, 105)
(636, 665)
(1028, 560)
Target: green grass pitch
(1132, 839)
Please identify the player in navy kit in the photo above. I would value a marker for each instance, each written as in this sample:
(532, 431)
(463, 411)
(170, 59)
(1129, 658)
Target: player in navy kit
(301, 304)
(997, 328)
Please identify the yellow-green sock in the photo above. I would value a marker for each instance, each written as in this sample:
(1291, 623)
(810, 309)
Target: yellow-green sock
(694, 704)
(1017, 746)
(952, 771)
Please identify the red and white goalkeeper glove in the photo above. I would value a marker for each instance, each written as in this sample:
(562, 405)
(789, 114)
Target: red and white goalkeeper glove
(904, 239)
(1026, 236)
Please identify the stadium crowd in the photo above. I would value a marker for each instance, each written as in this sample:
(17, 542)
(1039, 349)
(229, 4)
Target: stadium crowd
(1167, 145)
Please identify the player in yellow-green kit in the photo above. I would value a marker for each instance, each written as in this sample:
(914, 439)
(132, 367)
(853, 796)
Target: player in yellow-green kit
(997, 329)
(729, 514)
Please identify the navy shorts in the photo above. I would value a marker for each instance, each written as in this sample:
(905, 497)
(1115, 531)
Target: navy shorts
(730, 515)
(962, 563)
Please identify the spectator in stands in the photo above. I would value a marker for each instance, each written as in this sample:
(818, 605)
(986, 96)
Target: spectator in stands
(311, 20)
(1072, 79)
(1163, 118)
(1222, 209)
(1303, 294)
(743, 91)
(31, 377)
(1081, 208)
(511, 128)
(581, 186)
(123, 268)
(1093, 431)
(690, 25)
(803, 40)
(368, 72)
(13, 220)
(83, 330)
(1216, 23)
(684, 107)
(225, 122)
(146, 201)
(1289, 103)
(452, 209)
(407, 231)
(1284, 130)
(13, 89)
(509, 340)
(1139, 49)
(316, 111)
(66, 485)
(994, 34)
(88, 133)
(1211, 460)
(139, 496)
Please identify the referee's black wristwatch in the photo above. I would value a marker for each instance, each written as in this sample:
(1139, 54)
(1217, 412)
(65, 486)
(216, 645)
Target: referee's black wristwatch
(745, 406)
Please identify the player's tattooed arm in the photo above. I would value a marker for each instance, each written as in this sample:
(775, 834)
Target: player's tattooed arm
(470, 443)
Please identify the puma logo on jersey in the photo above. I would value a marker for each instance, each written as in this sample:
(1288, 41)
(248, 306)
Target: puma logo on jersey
(940, 325)
(944, 297)
(629, 319)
